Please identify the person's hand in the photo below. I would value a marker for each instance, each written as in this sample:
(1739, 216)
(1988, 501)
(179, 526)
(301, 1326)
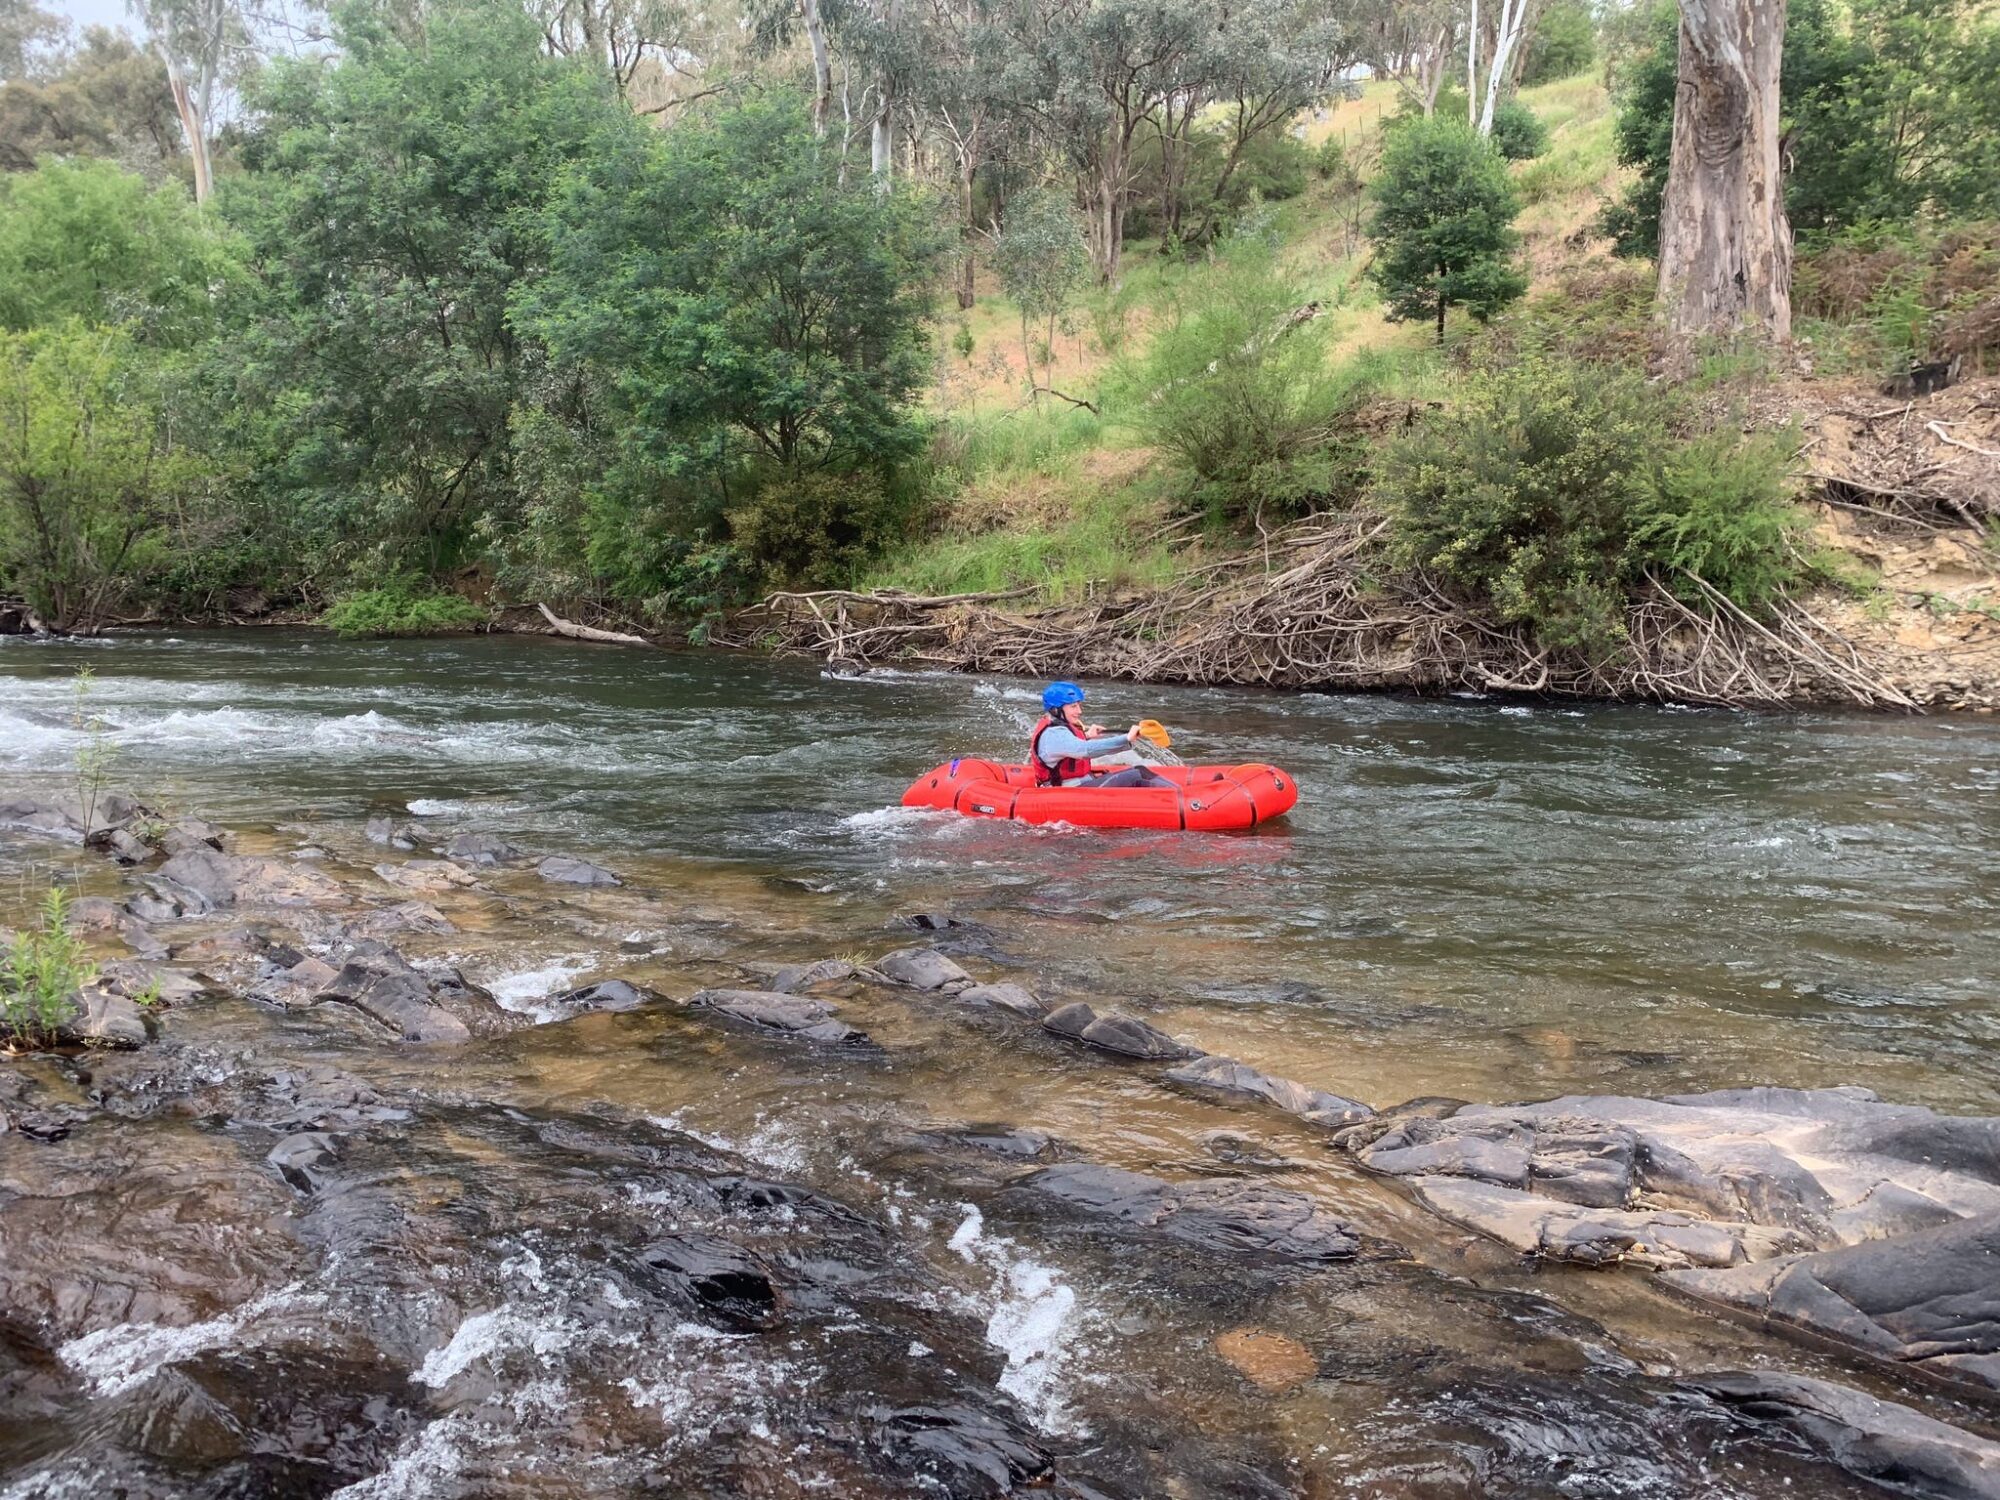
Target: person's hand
(1092, 731)
(1132, 735)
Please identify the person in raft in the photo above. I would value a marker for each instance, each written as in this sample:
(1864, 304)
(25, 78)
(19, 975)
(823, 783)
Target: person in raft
(1059, 750)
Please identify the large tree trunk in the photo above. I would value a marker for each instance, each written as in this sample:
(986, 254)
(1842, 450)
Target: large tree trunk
(968, 270)
(1725, 246)
(822, 66)
(193, 127)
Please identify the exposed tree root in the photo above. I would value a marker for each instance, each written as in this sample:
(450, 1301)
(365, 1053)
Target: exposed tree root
(1304, 611)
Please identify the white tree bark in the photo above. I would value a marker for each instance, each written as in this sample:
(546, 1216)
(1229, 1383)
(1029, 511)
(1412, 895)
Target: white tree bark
(1513, 21)
(822, 65)
(1472, 66)
(1725, 245)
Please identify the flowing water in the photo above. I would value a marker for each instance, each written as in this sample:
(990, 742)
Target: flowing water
(1481, 899)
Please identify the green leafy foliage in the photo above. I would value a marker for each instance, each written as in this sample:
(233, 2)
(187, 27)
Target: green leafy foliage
(1235, 389)
(400, 609)
(45, 967)
(1562, 44)
(1518, 133)
(1444, 223)
(87, 474)
(1550, 489)
(821, 527)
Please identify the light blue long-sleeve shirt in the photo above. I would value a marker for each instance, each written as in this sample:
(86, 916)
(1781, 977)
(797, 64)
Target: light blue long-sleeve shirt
(1059, 742)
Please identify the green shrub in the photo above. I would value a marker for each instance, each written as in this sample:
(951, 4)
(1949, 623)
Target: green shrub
(1234, 389)
(1518, 132)
(1551, 490)
(819, 527)
(1444, 224)
(1563, 44)
(397, 609)
(45, 968)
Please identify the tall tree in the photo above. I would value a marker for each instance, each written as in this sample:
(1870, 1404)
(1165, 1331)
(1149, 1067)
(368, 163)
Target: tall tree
(1725, 244)
(1444, 224)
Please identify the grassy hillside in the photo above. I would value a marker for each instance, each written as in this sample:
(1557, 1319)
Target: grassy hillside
(1059, 499)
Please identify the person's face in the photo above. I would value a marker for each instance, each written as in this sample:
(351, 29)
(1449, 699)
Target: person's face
(1073, 715)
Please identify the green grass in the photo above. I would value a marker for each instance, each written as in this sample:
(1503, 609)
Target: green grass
(396, 610)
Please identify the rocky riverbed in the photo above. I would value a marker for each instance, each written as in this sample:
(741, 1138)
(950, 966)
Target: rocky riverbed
(351, 1208)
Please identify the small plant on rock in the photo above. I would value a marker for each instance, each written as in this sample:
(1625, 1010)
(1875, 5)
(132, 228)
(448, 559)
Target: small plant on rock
(45, 968)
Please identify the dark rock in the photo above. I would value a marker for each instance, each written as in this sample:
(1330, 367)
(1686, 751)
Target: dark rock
(1227, 1217)
(1231, 1077)
(105, 1019)
(480, 849)
(1928, 1300)
(296, 986)
(58, 817)
(132, 979)
(959, 1450)
(793, 1015)
(213, 880)
(398, 997)
(184, 834)
(153, 906)
(608, 994)
(405, 916)
(927, 921)
(122, 845)
(719, 1276)
(795, 978)
(296, 1157)
(1125, 1035)
(1007, 997)
(1007, 1140)
(1877, 1440)
(922, 969)
(568, 871)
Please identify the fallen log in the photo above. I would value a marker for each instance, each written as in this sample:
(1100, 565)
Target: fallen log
(578, 632)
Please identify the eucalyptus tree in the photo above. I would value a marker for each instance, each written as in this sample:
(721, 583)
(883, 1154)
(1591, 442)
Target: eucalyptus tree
(199, 42)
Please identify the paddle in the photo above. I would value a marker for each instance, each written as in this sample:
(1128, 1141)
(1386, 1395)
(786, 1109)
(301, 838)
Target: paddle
(1155, 733)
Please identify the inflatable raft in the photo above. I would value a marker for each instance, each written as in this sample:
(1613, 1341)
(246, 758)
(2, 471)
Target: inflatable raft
(1206, 798)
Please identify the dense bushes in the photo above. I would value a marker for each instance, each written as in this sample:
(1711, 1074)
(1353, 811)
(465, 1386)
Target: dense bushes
(1881, 297)
(1550, 490)
(1518, 132)
(401, 609)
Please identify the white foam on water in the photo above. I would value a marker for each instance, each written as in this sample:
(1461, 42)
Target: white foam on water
(432, 1462)
(1035, 1319)
(707, 1377)
(481, 1336)
(432, 807)
(524, 990)
(771, 1143)
(116, 1359)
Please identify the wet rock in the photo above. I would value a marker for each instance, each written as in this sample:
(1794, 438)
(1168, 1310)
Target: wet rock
(184, 834)
(1243, 1151)
(1878, 1440)
(404, 916)
(382, 830)
(720, 1277)
(59, 818)
(959, 1449)
(1007, 997)
(105, 1019)
(297, 1158)
(1125, 1035)
(426, 877)
(100, 915)
(927, 921)
(608, 994)
(480, 849)
(397, 996)
(794, 979)
(794, 1015)
(1928, 1300)
(1226, 1217)
(922, 969)
(1228, 1076)
(1268, 1360)
(1691, 1180)
(154, 906)
(132, 979)
(206, 879)
(1007, 1140)
(296, 986)
(565, 870)
(122, 845)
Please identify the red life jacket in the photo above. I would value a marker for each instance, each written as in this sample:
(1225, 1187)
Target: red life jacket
(1070, 768)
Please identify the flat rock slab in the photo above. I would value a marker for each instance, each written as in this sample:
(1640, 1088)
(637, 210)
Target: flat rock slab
(1227, 1217)
(1270, 1360)
(1007, 997)
(1226, 1075)
(1125, 1035)
(398, 997)
(214, 880)
(1929, 1300)
(794, 979)
(565, 870)
(1778, 1171)
(1878, 1440)
(792, 1015)
(922, 969)
(426, 877)
(481, 849)
(404, 916)
(105, 1019)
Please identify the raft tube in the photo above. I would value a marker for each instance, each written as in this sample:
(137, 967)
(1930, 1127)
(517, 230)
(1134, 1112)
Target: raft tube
(1205, 798)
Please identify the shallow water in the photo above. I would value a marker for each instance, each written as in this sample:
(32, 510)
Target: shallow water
(1475, 898)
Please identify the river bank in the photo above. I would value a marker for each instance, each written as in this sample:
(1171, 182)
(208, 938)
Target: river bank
(601, 1245)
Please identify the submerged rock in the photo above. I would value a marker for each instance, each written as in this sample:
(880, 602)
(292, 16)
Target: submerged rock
(481, 849)
(608, 994)
(794, 1015)
(718, 1277)
(1878, 1440)
(404, 916)
(297, 1156)
(1229, 1076)
(1229, 1217)
(922, 969)
(960, 1450)
(792, 979)
(214, 880)
(565, 870)
(1269, 1360)
(1928, 1300)
(426, 877)
(1007, 997)
(1125, 1035)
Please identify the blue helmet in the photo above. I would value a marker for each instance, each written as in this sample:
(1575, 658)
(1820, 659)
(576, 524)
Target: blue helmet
(1058, 695)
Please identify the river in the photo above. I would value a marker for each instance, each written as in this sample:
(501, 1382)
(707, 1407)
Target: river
(1485, 899)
